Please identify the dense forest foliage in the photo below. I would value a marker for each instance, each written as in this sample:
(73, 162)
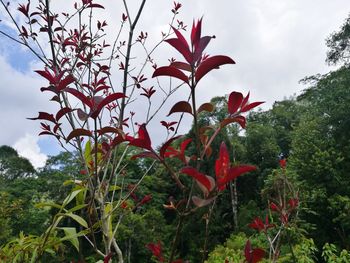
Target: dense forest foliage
(302, 142)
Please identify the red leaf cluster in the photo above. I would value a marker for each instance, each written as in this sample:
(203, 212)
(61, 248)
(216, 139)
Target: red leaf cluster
(143, 140)
(236, 102)
(24, 9)
(283, 163)
(148, 92)
(226, 173)
(253, 255)
(178, 153)
(197, 63)
(201, 178)
(156, 250)
(285, 211)
(259, 225)
(146, 199)
(177, 6)
(169, 125)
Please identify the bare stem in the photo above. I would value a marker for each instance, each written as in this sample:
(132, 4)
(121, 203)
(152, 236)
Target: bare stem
(127, 57)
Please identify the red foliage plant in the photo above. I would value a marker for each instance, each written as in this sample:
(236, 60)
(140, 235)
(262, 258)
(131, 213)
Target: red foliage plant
(79, 80)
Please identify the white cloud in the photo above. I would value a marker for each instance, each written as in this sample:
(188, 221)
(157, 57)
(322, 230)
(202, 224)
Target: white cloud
(28, 147)
(20, 99)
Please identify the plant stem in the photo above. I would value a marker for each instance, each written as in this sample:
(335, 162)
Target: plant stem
(207, 221)
(176, 238)
(127, 57)
(50, 35)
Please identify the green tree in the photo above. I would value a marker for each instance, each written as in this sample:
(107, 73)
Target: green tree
(320, 155)
(12, 166)
(339, 45)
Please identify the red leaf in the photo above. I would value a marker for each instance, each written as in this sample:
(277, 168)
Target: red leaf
(206, 107)
(236, 171)
(168, 125)
(102, 87)
(107, 258)
(166, 145)
(145, 155)
(77, 133)
(179, 154)
(171, 72)
(184, 144)
(203, 43)
(110, 98)
(47, 133)
(146, 199)
(79, 96)
(245, 100)
(251, 106)
(239, 119)
(143, 140)
(196, 32)
(274, 207)
(117, 140)
(258, 254)
(183, 49)
(44, 116)
(181, 106)
(95, 6)
(234, 101)
(204, 189)
(56, 127)
(181, 38)
(124, 17)
(283, 163)
(181, 65)
(247, 251)
(24, 9)
(47, 75)
(65, 82)
(222, 166)
(257, 224)
(109, 129)
(198, 176)
(156, 250)
(293, 203)
(62, 112)
(210, 64)
(253, 255)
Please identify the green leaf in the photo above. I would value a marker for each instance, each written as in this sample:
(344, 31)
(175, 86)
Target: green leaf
(40, 205)
(87, 152)
(71, 196)
(76, 208)
(108, 209)
(34, 256)
(80, 198)
(71, 236)
(68, 182)
(114, 188)
(55, 223)
(78, 219)
(50, 251)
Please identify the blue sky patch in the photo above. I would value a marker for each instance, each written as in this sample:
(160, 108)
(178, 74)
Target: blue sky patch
(19, 57)
(49, 145)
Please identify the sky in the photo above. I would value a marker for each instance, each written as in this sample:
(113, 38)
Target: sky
(275, 43)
